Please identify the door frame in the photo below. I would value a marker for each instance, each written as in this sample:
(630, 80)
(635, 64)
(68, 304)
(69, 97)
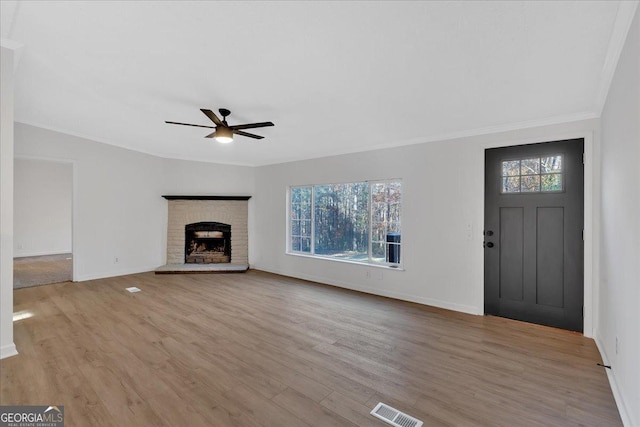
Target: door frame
(591, 212)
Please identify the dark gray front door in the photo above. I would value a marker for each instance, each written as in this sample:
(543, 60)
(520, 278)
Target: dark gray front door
(533, 233)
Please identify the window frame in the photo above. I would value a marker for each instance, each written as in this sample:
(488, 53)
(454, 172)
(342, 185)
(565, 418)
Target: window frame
(370, 261)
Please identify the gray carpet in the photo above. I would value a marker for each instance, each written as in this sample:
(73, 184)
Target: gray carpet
(41, 270)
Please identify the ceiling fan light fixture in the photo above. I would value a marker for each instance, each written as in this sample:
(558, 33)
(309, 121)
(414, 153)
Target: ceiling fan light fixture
(223, 135)
(223, 132)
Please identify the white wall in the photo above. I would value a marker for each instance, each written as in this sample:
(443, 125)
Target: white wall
(181, 177)
(443, 192)
(42, 200)
(620, 231)
(6, 203)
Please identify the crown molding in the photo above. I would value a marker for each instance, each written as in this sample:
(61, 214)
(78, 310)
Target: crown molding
(207, 197)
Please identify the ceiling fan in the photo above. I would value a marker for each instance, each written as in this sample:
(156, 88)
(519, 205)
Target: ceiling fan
(223, 131)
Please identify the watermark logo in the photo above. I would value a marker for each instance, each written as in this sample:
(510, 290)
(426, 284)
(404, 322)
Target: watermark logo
(32, 416)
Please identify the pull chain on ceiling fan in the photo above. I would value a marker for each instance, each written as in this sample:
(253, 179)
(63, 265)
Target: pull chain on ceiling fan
(223, 131)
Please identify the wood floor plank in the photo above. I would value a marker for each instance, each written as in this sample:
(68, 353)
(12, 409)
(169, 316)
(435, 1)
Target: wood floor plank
(257, 349)
(309, 411)
(267, 412)
(353, 411)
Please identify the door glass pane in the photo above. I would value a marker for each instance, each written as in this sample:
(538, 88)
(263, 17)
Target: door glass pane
(530, 184)
(552, 182)
(551, 164)
(511, 168)
(530, 166)
(511, 184)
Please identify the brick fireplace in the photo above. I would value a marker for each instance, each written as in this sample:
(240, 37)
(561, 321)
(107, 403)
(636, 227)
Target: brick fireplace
(207, 230)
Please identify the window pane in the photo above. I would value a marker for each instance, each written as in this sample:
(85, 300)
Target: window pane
(295, 211)
(511, 184)
(305, 211)
(530, 184)
(295, 227)
(551, 164)
(511, 168)
(378, 252)
(342, 220)
(295, 195)
(306, 244)
(295, 243)
(378, 233)
(393, 215)
(305, 228)
(530, 166)
(552, 182)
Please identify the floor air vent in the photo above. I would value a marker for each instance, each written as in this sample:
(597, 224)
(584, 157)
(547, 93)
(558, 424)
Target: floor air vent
(394, 417)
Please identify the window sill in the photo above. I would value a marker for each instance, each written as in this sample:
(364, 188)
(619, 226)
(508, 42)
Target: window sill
(347, 261)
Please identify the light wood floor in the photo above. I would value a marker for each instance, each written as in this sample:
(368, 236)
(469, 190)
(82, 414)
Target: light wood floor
(258, 349)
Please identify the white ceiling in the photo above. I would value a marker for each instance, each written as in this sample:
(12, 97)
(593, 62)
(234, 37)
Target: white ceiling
(335, 77)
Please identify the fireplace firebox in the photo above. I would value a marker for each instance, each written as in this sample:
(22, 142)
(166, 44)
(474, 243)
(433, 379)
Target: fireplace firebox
(207, 243)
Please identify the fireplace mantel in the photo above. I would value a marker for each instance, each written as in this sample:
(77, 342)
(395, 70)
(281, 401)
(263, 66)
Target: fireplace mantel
(207, 197)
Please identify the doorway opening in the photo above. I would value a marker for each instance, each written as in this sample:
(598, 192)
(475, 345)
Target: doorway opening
(43, 199)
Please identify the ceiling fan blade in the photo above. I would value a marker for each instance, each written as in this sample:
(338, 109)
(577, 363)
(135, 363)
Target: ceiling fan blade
(250, 135)
(211, 135)
(252, 125)
(189, 124)
(212, 116)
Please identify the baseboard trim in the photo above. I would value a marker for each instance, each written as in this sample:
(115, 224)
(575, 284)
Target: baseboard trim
(8, 351)
(106, 275)
(622, 407)
(380, 292)
(40, 253)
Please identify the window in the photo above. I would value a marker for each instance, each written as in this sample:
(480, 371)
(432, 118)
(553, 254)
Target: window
(534, 175)
(351, 221)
